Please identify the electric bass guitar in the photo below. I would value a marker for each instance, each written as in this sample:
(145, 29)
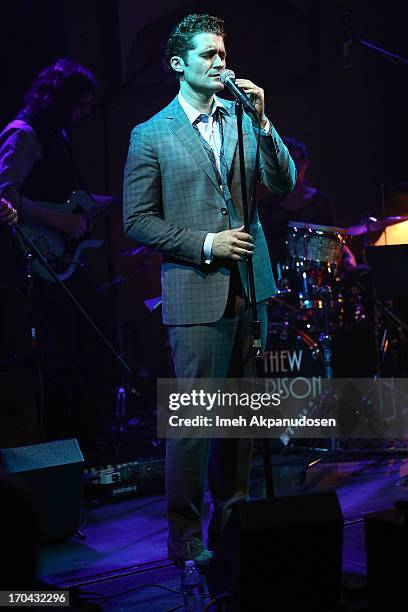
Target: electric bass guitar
(62, 252)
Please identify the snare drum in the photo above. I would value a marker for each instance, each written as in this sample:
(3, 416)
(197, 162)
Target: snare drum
(314, 252)
(314, 243)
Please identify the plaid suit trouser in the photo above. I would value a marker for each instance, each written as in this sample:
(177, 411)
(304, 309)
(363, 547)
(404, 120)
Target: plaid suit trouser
(215, 350)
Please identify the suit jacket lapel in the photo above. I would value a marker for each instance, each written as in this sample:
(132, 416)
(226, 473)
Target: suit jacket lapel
(230, 138)
(183, 129)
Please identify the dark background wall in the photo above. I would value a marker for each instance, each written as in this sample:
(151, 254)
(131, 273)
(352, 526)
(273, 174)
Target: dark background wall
(353, 121)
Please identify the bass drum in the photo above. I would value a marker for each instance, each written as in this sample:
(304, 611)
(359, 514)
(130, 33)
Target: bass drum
(293, 362)
(291, 352)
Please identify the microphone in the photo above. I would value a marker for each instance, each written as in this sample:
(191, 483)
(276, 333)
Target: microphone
(346, 42)
(227, 78)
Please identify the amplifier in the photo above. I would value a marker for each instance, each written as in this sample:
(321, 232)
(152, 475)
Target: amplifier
(125, 479)
(52, 473)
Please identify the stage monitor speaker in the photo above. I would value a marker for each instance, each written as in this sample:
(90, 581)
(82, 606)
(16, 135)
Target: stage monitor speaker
(386, 539)
(281, 554)
(52, 473)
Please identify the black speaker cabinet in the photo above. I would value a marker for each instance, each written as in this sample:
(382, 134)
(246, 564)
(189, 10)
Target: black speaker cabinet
(52, 473)
(386, 539)
(281, 554)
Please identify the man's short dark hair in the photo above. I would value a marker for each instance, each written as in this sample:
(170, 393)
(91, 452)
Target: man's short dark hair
(181, 40)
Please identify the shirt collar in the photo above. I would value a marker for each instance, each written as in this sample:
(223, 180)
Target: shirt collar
(192, 113)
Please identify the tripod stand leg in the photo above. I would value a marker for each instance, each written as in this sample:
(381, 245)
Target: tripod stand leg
(120, 415)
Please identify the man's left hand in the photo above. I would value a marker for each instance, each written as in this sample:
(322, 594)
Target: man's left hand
(257, 95)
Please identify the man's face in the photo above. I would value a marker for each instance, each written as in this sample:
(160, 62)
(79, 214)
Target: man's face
(204, 64)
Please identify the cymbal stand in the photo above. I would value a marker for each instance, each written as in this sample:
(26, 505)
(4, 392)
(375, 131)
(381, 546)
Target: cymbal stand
(120, 393)
(325, 340)
(123, 343)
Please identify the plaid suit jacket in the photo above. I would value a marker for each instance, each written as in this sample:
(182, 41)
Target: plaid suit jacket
(172, 199)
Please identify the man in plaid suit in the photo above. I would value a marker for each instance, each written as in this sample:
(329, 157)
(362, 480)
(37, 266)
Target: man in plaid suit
(182, 196)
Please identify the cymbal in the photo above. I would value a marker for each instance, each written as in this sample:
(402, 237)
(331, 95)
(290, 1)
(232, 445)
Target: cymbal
(372, 225)
(376, 225)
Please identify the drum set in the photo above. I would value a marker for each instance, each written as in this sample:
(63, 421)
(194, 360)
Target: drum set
(323, 308)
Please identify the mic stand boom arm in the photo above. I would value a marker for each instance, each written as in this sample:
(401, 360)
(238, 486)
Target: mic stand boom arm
(387, 54)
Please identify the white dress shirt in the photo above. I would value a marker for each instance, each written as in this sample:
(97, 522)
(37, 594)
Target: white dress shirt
(210, 131)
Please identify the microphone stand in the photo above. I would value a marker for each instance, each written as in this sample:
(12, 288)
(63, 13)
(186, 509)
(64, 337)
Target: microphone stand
(34, 250)
(255, 324)
(393, 57)
(35, 357)
(349, 37)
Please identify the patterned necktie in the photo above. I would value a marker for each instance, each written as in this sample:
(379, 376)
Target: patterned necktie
(222, 173)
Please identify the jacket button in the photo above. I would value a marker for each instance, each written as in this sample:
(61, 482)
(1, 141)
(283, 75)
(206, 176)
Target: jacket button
(224, 211)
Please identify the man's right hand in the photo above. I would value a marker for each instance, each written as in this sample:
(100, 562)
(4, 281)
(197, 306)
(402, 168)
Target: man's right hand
(233, 244)
(7, 213)
(73, 225)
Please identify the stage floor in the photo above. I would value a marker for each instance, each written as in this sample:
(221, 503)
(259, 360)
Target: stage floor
(125, 545)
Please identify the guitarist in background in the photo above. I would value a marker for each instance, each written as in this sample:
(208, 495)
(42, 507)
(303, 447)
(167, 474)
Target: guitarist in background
(36, 165)
(35, 155)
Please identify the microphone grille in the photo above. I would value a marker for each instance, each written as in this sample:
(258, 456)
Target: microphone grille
(226, 74)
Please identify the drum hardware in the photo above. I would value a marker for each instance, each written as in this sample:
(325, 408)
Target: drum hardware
(281, 280)
(325, 340)
(388, 265)
(310, 278)
(313, 260)
(349, 303)
(123, 334)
